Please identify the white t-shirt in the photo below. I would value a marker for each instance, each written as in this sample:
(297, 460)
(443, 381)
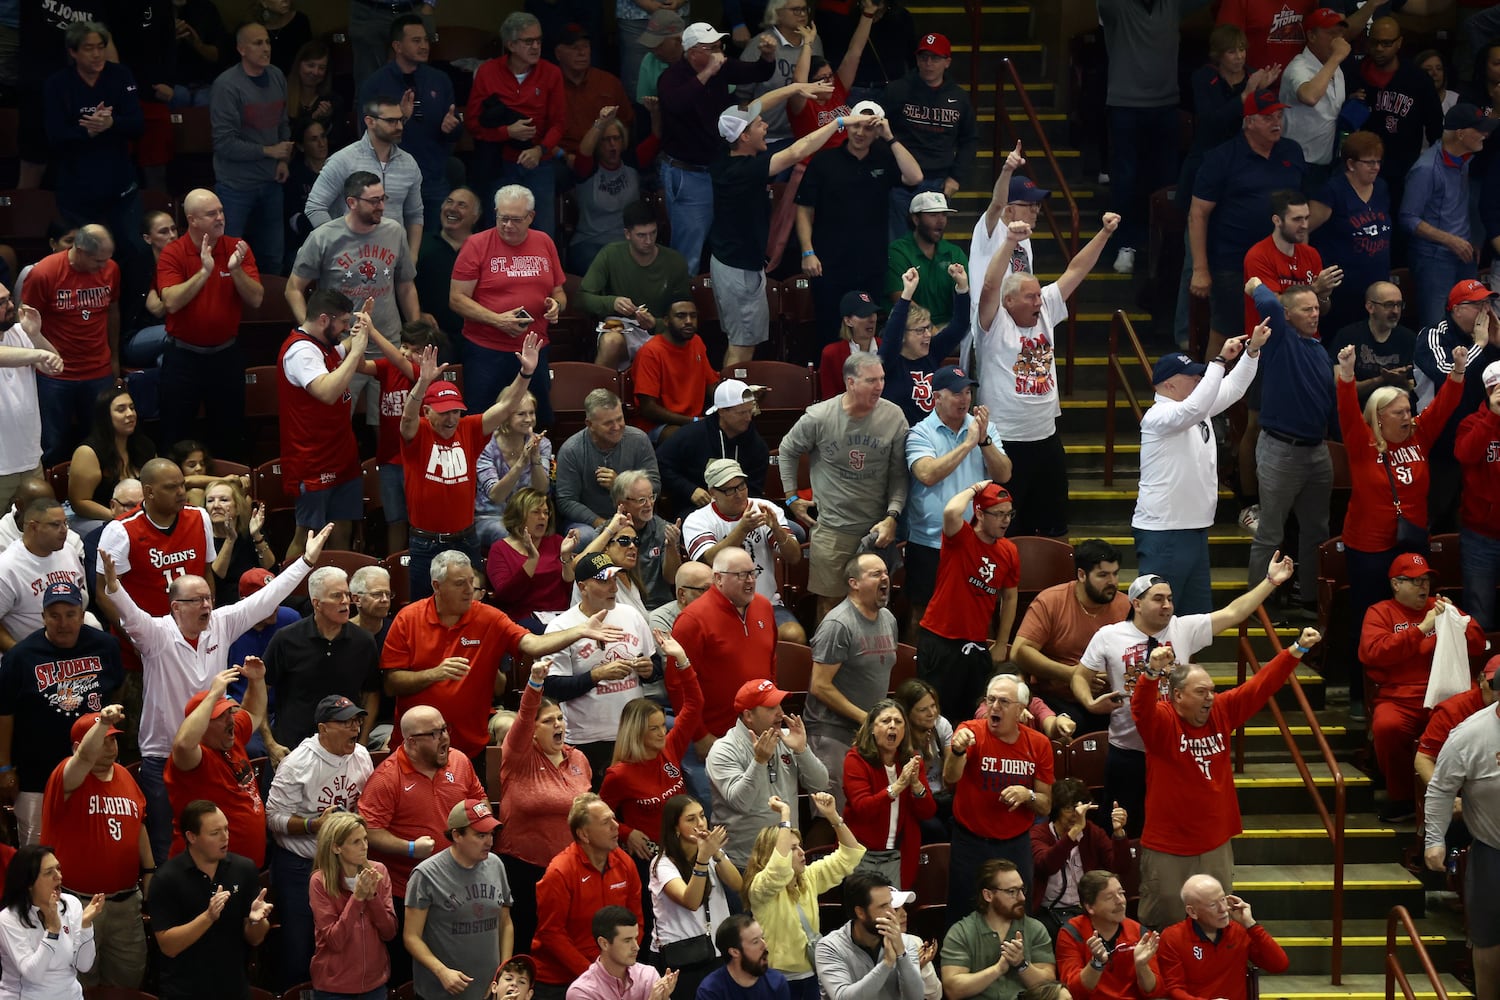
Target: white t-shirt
(10, 531)
(23, 577)
(982, 248)
(1120, 651)
(673, 923)
(595, 717)
(21, 444)
(1311, 127)
(706, 527)
(1018, 371)
(304, 362)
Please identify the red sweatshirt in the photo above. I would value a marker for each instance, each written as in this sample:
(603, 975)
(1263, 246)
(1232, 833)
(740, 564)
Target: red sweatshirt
(638, 790)
(739, 648)
(1477, 447)
(567, 897)
(869, 811)
(1194, 967)
(1117, 981)
(535, 794)
(1396, 655)
(539, 97)
(1370, 525)
(1192, 763)
(1449, 713)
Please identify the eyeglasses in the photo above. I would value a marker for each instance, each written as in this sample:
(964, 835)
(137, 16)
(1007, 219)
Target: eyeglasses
(513, 220)
(373, 201)
(528, 42)
(648, 499)
(743, 489)
(1004, 703)
(1411, 579)
(1004, 515)
(745, 575)
(205, 599)
(376, 595)
(1368, 163)
(435, 734)
(398, 120)
(1012, 891)
(696, 590)
(629, 541)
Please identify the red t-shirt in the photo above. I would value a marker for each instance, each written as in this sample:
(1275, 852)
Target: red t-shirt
(815, 114)
(417, 640)
(441, 475)
(1278, 271)
(318, 450)
(212, 317)
(993, 765)
(970, 577)
(677, 375)
(1273, 29)
(508, 277)
(1449, 713)
(638, 790)
(75, 310)
(95, 831)
(229, 781)
(408, 805)
(394, 385)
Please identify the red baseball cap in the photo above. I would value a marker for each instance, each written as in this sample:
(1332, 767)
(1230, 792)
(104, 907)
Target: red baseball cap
(472, 813)
(936, 44)
(1468, 290)
(1488, 674)
(757, 694)
(84, 723)
(1411, 565)
(991, 495)
(443, 397)
(253, 580)
(1325, 18)
(224, 704)
(1262, 102)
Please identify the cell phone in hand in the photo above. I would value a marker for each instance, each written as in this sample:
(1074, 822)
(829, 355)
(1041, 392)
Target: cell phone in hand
(522, 314)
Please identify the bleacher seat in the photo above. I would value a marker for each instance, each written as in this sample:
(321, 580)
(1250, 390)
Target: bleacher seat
(572, 381)
(1086, 756)
(793, 388)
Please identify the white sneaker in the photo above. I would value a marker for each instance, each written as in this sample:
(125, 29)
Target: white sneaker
(1103, 177)
(1125, 261)
(1250, 517)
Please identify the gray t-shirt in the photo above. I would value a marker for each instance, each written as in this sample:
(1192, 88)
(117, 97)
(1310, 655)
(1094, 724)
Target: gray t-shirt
(866, 651)
(463, 919)
(580, 498)
(857, 467)
(361, 265)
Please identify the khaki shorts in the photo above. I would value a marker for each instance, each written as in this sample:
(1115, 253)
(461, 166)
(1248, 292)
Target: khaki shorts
(827, 553)
(1163, 875)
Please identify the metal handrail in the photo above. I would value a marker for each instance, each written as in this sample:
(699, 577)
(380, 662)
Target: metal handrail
(1118, 380)
(1333, 824)
(1004, 135)
(1393, 972)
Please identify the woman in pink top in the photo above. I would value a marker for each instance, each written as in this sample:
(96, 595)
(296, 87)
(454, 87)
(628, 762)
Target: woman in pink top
(525, 567)
(353, 915)
(540, 776)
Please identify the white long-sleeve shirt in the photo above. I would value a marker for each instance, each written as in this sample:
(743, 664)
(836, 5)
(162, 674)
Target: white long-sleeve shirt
(309, 780)
(36, 967)
(174, 669)
(1179, 487)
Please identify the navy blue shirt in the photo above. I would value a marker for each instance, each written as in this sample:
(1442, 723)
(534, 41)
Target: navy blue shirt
(45, 689)
(1296, 378)
(423, 137)
(98, 167)
(1356, 237)
(908, 383)
(1239, 182)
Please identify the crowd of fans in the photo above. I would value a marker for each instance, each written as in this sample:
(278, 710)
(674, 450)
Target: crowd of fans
(549, 755)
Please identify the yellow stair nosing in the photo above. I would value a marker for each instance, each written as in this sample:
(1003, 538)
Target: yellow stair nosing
(1357, 941)
(1314, 833)
(1361, 883)
(1295, 781)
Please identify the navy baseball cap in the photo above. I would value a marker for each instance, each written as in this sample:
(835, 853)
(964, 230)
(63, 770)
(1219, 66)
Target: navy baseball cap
(62, 592)
(951, 378)
(1175, 364)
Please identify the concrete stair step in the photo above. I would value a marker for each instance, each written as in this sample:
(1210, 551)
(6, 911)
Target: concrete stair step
(1290, 892)
(1307, 944)
(1362, 986)
(1276, 788)
(1282, 838)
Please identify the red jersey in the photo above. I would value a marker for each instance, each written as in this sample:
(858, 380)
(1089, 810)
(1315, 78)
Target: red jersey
(1273, 29)
(1192, 763)
(75, 310)
(1396, 655)
(394, 386)
(1117, 981)
(678, 376)
(212, 317)
(993, 766)
(408, 805)
(1477, 447)
(637, 790)
(1278, 271)
(148, 558)
(442, 475)
(970, 578)
(1370, 525)
(509, 276)
(1195, 967)
(567, 897)
(95, 830)
(229, 780)
(740, 649)
(417, 640)
(1449, 713)
(318, 450)
(815, 114)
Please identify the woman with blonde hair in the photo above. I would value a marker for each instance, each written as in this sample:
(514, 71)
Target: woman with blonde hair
(856, 333)
(782, 889)
(516, 457)
(526, 567)
(237, 527)
(353, 915)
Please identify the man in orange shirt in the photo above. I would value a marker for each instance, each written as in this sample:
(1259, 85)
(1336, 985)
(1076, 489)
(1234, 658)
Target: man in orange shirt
(672, 375)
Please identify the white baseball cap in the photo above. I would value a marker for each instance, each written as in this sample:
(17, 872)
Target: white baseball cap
(699, 32)
(734, 120)
(1492, 374)
(867, 108)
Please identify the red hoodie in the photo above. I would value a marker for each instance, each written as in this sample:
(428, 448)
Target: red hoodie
(1477, 447)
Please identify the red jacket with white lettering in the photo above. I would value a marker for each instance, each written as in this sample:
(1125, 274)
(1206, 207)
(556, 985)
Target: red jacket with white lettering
(1191, 766)
(1477, 447)
(1195, 968)
(567, 897)
(1396, 655)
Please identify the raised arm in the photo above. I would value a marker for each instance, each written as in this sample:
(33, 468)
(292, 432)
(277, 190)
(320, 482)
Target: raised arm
(1080, 266)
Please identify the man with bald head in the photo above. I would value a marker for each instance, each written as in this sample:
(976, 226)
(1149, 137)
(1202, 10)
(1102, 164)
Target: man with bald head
(1403, 112)
(13, 522)
(252, 143)
(1383, 347)
(163, 540)
(1206, 954)
(206, 280)
(692, 581)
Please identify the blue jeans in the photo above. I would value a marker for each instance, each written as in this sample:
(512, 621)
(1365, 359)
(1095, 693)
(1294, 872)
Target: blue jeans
(487, 372)
(144, 350)
(900, 208)
(64, 403)
(967, 852)
(153, 782)
(1181, 557)
(290, 874)
(690, 206)
(1480, 556)
(541, 181)
(1142, 158)
(422, 551)
(1434, 271)
(256, 215)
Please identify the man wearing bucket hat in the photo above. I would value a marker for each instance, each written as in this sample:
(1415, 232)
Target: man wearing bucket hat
(1179, 489)
(727, 430)
(843, 240)
(932, 115)
(440, 449)
(1396, 645)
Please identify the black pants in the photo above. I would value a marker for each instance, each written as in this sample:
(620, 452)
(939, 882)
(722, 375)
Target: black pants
(1125, 784)
(1039, 487)
(959, 669)
(214, 381)
(523, 878)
